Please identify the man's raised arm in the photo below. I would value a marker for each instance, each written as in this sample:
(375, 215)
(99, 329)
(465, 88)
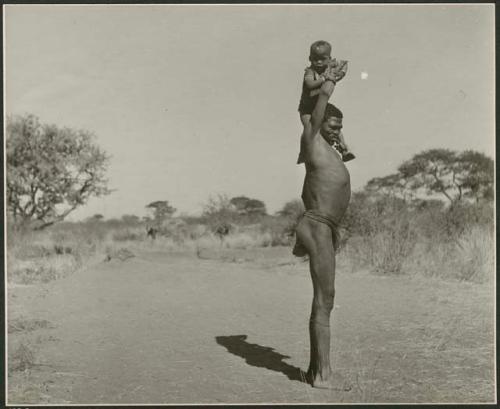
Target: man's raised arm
(318, 113)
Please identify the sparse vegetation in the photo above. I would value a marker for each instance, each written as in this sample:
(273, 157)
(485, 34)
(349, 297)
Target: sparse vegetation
(389, 234)
(22, 358)
(22, 324)
(383, 233)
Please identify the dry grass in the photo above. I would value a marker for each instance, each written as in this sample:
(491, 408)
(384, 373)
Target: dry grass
(418, 244)
(469, 257)
(39, 257)
(42, 257)
(41, 270)
(21, 359)
(388, 238)
(22, 324)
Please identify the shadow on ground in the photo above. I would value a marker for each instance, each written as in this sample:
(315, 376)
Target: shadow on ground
(261, 357)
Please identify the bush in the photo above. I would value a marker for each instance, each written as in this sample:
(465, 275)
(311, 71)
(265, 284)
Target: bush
(469, 257)
(384, 248)
(388, 235)
(22, 358)
(42, 256)
(42, 270)
(127, 235)
(246, 240)
(280, 228)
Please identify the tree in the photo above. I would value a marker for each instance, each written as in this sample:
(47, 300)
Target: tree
(95, 218)
(50, 170)
(239, 203)
(256, 207)
(392, 185)
(131, 219)
(218, 210)
(454, 175)
(292, 209)
(478, 171)
(161, 211)
(246, 206)
(290, 215)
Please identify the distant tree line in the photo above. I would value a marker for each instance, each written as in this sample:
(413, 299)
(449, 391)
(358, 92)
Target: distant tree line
(53, 170)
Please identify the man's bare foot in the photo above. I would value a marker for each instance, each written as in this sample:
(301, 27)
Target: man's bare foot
(299, 250)
(334, 381)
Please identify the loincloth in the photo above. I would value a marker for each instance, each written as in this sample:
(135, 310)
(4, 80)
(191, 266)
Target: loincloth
(325, 219)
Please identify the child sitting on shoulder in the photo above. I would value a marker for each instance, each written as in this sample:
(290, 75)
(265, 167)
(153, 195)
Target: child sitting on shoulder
(322, 67)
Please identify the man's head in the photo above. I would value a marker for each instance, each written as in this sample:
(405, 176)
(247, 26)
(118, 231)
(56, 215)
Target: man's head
(320, 54)
(332, 124)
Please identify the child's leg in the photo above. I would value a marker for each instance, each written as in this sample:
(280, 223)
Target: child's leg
(347, 155)
(306, 121)
(342, 141)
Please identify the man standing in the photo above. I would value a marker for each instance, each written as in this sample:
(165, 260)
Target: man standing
(326, 195)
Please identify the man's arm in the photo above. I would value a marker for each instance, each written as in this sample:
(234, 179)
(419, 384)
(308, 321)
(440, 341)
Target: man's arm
(318, 113)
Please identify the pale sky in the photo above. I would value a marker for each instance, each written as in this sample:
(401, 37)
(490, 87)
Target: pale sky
(195, 100)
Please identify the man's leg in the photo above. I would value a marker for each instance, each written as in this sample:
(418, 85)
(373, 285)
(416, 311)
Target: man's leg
(317, 238)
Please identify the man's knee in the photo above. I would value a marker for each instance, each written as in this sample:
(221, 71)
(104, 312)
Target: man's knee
(325, 301)
(321, 311)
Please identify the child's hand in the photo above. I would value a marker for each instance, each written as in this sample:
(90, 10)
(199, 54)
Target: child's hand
(330, 75)
(338, 69)
(339, 75)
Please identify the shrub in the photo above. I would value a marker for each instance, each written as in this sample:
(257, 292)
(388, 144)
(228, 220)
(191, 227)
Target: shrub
(475, 255)
(42, 270)
(127, 235)
(22, 358)
(280, 228)
(42, 256)
(390, 235)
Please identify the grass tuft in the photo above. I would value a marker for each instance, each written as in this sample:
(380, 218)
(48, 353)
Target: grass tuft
(23, 324)
(22, 358)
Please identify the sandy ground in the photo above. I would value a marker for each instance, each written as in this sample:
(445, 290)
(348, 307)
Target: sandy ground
(161, 328)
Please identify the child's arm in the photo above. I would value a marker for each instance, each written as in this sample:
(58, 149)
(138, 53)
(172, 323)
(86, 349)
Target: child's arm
(310, 82)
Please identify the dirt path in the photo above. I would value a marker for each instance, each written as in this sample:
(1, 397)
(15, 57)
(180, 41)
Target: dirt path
(162, 328)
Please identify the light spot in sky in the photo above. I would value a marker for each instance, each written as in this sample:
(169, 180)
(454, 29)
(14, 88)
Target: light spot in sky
(364, 75)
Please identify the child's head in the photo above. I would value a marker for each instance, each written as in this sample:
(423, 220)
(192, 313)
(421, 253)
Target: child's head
(320, 54)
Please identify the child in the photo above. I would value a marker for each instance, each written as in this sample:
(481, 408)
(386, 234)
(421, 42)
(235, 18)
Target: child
(322, 67)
